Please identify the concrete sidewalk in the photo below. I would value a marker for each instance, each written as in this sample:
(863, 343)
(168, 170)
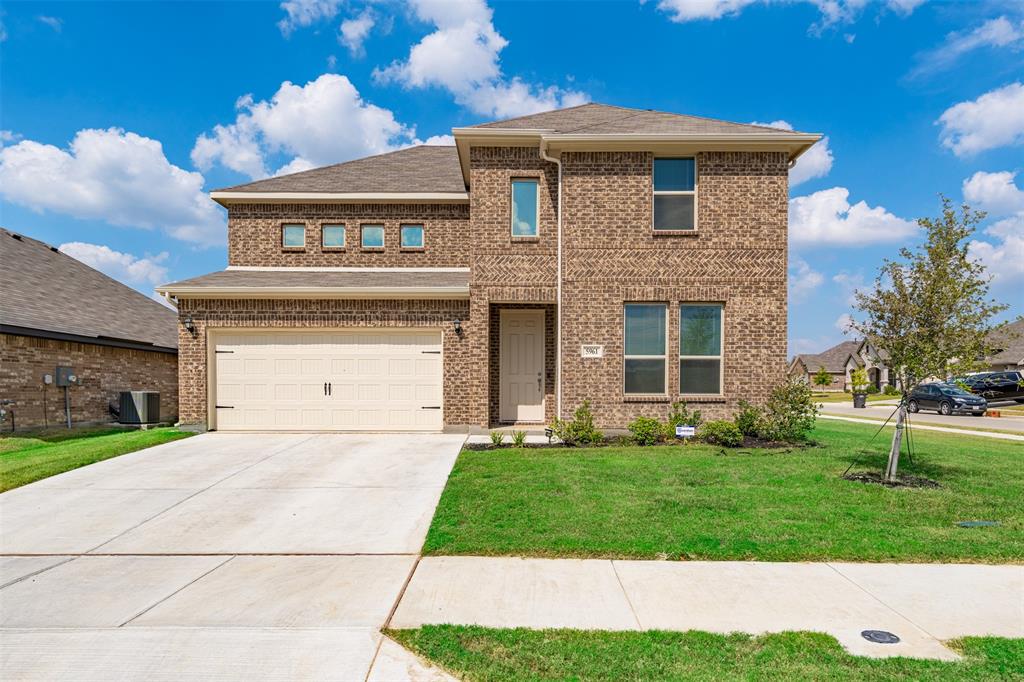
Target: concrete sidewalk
(924, 604)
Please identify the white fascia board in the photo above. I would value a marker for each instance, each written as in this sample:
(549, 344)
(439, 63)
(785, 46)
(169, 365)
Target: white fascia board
(316, 268)
(340, 197)
(317, 292)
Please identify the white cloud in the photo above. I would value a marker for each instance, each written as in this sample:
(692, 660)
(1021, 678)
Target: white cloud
(844, 323)
(998, 32)
(112, 175)
(826, 217)
(998, 194)
(995, 119)
(8, 136)
(995, 193)
(904, 7)
(832, 11)
(56, 23)
(803, 279)
(124, 267)
(322, 122)
(462, 56)
(354, 31)
(1004, 258)
(849, 283)
(302, 13)
(440, 140)
(816, 162)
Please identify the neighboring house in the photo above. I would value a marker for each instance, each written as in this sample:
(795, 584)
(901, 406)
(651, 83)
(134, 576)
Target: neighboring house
(1010, 342)
(839, 361)
(622, 256)
(56, 311)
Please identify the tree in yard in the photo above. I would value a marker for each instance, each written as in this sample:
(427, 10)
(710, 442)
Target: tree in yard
(822, 378)
(930, 309)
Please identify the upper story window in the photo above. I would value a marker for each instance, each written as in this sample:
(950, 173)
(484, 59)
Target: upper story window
(372, 236)
(644, 346)
(525, 200)
(412, 236)
(700, 348)
(333, 236)
(293, 236)
(675, 196)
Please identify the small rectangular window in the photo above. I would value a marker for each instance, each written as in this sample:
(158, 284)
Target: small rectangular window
(644, 346)
(525, 196)
(293, 236)
(372, 236)
(412, 236)
(334, 236)
(675, 195)
(700, 348)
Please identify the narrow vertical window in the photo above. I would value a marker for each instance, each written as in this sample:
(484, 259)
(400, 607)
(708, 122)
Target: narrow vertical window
(700, 348)
(412, 236)
(372, 236)
(675, 195)
(333, 236)
(644, 348)
(525, 195)
(293, 236)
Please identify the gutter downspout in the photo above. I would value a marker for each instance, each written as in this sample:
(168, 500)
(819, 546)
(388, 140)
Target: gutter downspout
(558, 307)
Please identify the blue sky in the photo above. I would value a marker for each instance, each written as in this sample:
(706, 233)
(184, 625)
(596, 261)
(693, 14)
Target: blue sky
(117, 117)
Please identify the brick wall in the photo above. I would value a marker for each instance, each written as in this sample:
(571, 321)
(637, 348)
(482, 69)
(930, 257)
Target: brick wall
(254, 235)
(104, 371)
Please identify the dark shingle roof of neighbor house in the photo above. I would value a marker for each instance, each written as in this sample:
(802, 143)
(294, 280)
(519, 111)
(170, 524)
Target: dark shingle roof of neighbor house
(427, 168)
(48, 292)
(363, 278)
(1011, 341)
(833, 360)
(605, 119)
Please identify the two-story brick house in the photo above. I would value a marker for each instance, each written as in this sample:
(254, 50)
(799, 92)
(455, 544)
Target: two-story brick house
(627, 257)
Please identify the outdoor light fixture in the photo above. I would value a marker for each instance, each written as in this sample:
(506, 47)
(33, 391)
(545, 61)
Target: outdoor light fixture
(189, 325)
(458, 327)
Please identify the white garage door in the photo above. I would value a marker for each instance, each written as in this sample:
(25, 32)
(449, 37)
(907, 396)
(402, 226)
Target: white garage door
(371, 380)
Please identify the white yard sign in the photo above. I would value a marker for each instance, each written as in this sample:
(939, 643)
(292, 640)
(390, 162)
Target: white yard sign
(685, 431)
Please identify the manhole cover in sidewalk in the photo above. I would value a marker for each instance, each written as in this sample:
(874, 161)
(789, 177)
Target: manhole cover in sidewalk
(880, 637)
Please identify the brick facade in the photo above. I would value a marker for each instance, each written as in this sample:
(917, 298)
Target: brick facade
(104, 372)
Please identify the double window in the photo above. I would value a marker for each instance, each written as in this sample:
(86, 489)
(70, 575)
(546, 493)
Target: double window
(645, 346)
(675, 194)
(333, 236)
(525, 207)
(293, 236)
(371, 236)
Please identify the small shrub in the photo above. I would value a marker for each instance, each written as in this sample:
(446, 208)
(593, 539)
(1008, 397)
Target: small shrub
(497, 438)
(680, 416)
(748, 419)
(579, 430)
(646, 431)
(872, 389)
(890, 390)
(789, 414)
(518, 439)
(720, 432)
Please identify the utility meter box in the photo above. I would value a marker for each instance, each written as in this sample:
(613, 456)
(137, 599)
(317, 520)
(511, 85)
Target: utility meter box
(65, 376)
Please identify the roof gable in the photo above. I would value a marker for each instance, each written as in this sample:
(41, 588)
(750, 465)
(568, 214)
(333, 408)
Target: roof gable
(834, 359)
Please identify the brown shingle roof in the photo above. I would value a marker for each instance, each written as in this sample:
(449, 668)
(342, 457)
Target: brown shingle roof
(361, 278)
(1010, 341)
(833, 360)
(44, 290)
(604, 119)
(427, 168)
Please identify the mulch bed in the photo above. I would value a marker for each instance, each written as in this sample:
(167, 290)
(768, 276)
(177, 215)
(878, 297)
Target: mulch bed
(900, 482)
(622, 441)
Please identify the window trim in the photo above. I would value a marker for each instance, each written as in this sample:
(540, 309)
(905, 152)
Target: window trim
(423, 232)
(344, 237)
(511, 207)
(664, 356)
(383, 237)
(693, 193)
(721, 346)
(284, 230)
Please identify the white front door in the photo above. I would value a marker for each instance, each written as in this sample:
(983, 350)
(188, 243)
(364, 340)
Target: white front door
(330, 380)
(521, 363)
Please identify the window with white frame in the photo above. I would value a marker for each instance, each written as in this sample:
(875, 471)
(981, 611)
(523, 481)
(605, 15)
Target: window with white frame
(644, 361)
(412, 236)
(525, 207)
(371, 236)
(675, 194)
(293, 236)
(333, 236)
(700, 348)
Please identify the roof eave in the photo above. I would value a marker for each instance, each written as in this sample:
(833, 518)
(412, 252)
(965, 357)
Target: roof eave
(226, 198)
(216, 292)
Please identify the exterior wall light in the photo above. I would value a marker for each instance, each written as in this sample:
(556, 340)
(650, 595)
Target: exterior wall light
(458, 327)
(189, 325)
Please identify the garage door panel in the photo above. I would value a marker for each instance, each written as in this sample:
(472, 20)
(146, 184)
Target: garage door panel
(380, 380)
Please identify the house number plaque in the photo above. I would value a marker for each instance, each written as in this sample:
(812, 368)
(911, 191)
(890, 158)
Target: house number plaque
(591, 350)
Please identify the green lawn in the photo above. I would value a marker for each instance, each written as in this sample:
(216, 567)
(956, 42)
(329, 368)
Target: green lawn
(476, 653)
(840, 397)
(707, 502)
(28, 457)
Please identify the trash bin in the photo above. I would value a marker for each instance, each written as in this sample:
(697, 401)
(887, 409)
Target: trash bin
(860, 399)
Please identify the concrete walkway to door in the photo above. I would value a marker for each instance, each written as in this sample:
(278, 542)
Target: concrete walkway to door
(222, 556)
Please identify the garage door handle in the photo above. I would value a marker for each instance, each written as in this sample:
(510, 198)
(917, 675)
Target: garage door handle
(224, 407)
(325, 388)
(329, 387)
(431, 407)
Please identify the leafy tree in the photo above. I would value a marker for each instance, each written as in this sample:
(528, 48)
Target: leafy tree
(859, 380)
(822, 378)
(930, 309)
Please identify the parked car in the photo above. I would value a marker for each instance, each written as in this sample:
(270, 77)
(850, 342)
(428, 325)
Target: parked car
(946, 399)
(994, 386)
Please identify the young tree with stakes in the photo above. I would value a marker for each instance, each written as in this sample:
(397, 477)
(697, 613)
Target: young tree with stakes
(822, 378)
(930, 310)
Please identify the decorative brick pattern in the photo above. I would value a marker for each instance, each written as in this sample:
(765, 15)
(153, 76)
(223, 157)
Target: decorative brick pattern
(103, 371)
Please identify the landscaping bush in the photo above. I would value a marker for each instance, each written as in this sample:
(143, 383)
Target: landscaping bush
(890, 390)
(680, 416)
(789, 413)
(720, 432)
(497, 437)
(748, 419)
(579, 430)
(646, 431)
(518, 439)
(872, 389)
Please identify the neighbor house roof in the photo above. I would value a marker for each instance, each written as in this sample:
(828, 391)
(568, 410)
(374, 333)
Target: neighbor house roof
(1010, 340)
(426, 172)
(46, 293)
(833, 360)
(243, 282)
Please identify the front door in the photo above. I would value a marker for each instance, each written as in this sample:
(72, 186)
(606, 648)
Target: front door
(521, 362)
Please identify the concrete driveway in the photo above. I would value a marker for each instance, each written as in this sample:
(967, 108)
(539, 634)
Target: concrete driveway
(222, 556)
